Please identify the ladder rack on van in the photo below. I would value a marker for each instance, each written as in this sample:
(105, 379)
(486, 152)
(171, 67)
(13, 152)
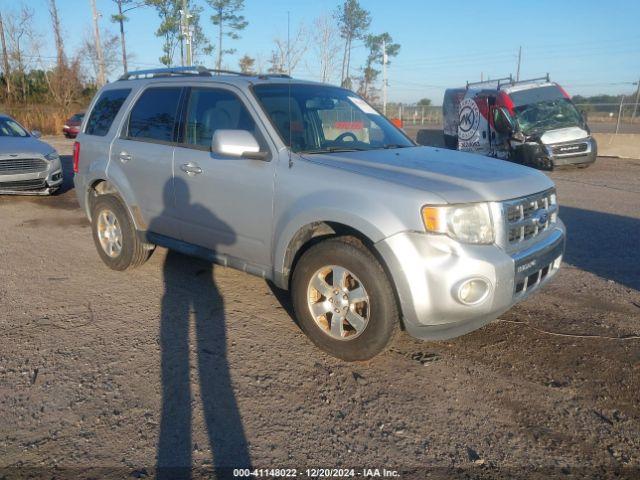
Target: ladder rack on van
(500, 82)
(191, 71)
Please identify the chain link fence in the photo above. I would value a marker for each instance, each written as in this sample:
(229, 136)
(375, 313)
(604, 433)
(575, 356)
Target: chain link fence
(612, 113)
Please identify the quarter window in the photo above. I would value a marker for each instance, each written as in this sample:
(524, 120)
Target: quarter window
(213, 109)
(153, 117)
(105, 110)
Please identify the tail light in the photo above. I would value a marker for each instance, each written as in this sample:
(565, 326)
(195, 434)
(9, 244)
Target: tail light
(76, 156)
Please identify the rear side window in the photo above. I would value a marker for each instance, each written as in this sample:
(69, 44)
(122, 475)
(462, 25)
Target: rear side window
(153, 117)
(105, 110)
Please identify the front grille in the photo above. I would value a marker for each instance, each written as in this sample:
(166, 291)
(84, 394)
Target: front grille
(570, 149)
(15, 166)
(24, 185)
(528, 217)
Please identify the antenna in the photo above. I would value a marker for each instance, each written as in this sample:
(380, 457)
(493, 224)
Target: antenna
(288, 43)
(384, 77)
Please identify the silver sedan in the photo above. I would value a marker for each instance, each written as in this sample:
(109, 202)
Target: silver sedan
(27, 165)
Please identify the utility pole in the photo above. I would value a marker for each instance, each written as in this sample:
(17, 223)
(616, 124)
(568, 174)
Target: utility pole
(619, 114)
(384, 77)
(96, 34)
(635, 105)
(5, 59)
(124, 47)
(186, 30)
(519, 59)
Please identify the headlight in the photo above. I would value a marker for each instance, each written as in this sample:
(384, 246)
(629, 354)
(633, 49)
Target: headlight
(52, 156)
(470, 223)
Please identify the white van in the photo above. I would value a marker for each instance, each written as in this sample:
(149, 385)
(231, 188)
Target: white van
(532, 122)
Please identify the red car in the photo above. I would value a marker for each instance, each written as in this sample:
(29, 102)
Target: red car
(72, 125)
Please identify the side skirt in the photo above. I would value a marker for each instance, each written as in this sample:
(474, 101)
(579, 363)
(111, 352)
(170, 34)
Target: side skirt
(205, 254)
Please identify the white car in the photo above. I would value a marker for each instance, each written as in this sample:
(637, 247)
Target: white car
(27, 165)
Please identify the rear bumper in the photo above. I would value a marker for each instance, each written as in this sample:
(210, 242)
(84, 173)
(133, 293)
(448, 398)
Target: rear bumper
(428, 271)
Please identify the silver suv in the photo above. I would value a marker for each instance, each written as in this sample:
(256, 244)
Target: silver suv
(308, 186)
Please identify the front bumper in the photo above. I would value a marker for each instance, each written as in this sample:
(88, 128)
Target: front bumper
(427, 271)
(34, 183)
(586, 152)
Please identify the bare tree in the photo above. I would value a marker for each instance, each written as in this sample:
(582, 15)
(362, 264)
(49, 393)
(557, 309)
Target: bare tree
(57, 33)
(325, 45)
(64, 81)
(286, 56)
(17, 29)
(110, 47)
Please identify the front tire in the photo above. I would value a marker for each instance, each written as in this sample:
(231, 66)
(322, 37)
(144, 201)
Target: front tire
(115, 236)
(343, 299)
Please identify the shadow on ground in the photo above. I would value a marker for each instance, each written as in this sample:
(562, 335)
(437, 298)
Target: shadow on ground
(605, 244)
(190, 291)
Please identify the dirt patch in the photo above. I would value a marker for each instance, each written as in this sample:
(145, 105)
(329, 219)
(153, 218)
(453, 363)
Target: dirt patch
(178, 363)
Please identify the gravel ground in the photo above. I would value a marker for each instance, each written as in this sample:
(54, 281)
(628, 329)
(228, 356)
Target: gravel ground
(106, 374)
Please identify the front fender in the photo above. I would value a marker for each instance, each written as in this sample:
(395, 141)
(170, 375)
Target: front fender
(372, 219)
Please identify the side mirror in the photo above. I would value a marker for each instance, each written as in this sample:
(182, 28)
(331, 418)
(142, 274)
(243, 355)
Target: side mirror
(585, 115)
(502, 121)
(36, 133)
(237, 143)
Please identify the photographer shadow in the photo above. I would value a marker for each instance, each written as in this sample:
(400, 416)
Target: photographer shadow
(190, 289)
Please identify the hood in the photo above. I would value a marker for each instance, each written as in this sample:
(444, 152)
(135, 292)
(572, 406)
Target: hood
(23, 145)
(563, 135)
(456, 177)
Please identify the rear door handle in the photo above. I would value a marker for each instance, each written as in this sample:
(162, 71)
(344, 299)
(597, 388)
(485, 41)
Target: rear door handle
(191, 168)
(124, 157)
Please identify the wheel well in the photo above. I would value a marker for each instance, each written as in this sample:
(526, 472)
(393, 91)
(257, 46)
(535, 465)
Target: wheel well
(316, 232)
(105, 187)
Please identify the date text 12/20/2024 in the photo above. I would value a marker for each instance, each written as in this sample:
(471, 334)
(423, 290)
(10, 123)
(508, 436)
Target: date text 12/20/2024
(315, 472)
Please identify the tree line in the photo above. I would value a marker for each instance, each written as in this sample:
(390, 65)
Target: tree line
(29, 76)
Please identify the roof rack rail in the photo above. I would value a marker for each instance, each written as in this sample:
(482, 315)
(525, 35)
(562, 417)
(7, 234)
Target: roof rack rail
(198, 70)
(273, 75)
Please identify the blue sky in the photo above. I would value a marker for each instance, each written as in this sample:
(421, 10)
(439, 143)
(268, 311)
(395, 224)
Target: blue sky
(588, 46)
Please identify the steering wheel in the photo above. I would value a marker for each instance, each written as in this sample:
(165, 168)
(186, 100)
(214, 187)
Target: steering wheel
(342, 136)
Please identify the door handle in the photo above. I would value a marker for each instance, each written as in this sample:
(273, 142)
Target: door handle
(190, 168)
(124, 157)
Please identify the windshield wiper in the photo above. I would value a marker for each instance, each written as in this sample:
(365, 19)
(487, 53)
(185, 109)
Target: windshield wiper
(394, 145)
(334, 150)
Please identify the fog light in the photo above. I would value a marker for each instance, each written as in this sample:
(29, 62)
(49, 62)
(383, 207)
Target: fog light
(473, 291)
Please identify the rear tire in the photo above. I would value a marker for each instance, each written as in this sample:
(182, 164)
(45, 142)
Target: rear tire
(115, 236)
(366, 298)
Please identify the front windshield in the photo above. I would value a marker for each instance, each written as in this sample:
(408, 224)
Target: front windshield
(11, 128)
(318, 118)
(545, 108)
